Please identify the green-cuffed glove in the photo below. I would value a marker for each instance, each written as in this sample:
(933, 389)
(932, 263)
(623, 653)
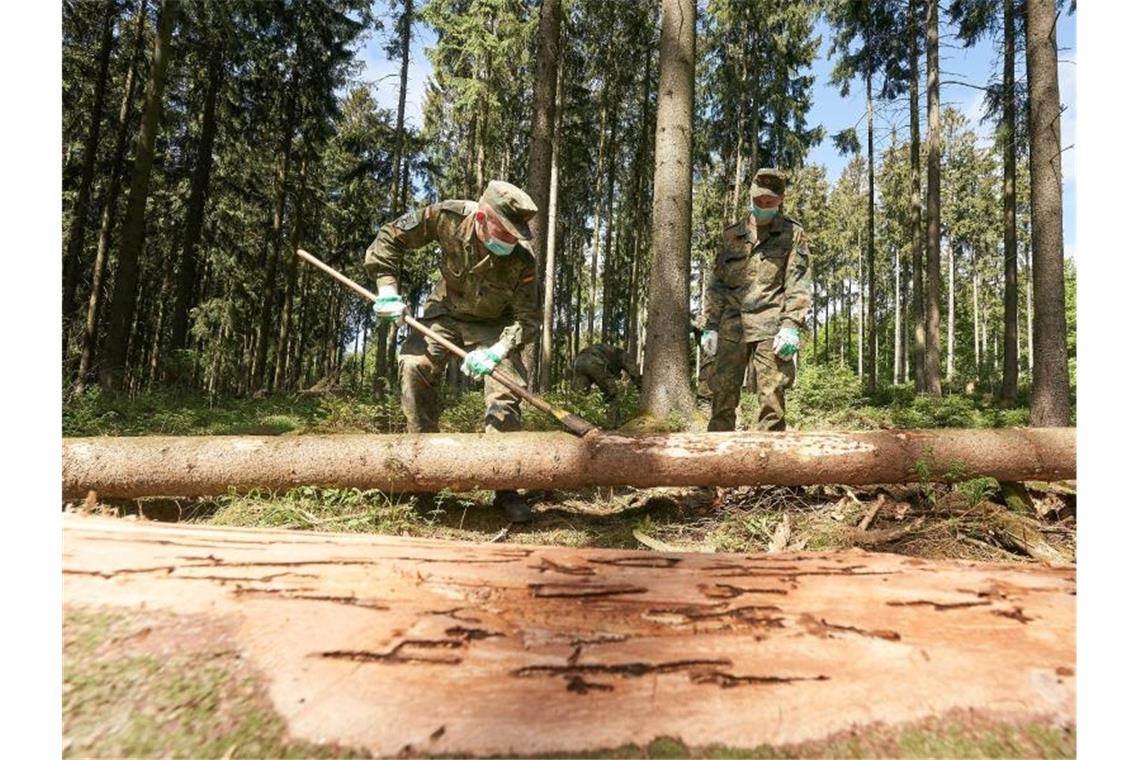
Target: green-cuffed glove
(787, 342)
(482, 361)
(389, 305)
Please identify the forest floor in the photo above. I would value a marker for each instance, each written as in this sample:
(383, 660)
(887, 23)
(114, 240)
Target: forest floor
(975, 519)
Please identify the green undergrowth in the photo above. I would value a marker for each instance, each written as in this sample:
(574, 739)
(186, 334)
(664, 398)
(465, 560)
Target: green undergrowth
(928, 739)
(121, 700)
(828, 397)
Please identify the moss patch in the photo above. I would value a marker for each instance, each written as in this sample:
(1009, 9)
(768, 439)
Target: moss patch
(157, 685)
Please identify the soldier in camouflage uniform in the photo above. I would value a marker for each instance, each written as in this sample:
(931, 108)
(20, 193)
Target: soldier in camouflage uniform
(756, 305)
(485, 302)
(602, 364)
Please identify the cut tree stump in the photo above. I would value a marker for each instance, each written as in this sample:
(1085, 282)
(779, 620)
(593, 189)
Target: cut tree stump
(211, 465)
(413, 646)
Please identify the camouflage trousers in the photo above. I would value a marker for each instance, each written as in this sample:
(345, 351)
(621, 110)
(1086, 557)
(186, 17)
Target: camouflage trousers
(589, 370)
(774, 375)
(422, 361)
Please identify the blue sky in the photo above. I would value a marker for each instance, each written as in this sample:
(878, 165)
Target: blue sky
(976, 66)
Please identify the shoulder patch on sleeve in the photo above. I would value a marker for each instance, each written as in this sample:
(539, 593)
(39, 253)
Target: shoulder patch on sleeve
(408, 221)
(463, 208)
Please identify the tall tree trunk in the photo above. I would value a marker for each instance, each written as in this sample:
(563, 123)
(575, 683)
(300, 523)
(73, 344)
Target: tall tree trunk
(950, 316)
(896, 374)
(862, 307)
(126, 278)
(199, 188)
(404, 24)
(107, 216)
(273, 243)
(541, 180)
(918, 348)
(1009, 208)
(607, 259)
(77, 233)
(845, 348)
(872, 367)
(295, 239)
(666, 385)
(551, 242)
(633, 336)
(1050, 405)
(595, 246)
(827, 317)
(1029, 308)
(933, 207)
(977, 345)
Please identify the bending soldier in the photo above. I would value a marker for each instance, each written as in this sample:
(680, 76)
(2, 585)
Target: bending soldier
(485, 301)
(756, 305)
(602, 364)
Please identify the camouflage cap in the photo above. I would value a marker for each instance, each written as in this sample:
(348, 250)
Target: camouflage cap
(513, 207)
(767, 182)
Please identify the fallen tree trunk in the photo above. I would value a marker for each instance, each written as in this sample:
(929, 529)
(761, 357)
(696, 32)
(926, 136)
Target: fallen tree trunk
(204, 466)
(404, 646)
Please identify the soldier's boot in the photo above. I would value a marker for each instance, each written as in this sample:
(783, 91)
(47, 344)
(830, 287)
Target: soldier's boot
(514, 506)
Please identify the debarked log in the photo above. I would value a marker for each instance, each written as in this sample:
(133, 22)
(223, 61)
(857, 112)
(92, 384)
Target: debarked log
(204, 466)
(411, 647)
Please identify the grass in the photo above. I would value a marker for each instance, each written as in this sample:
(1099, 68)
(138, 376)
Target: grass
(199, 701)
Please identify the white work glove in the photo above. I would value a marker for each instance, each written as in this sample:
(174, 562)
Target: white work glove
(786, 342)
(389, 305)
(482, 361)
(709, 342)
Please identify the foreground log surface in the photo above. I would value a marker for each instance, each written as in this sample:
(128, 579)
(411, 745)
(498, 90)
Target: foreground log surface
(211, 465)
(416, 646)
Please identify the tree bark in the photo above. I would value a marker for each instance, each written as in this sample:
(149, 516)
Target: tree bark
(77, 232)
(551, 242)
(199, 190)
(666, 387)
(107, 216)
(273, 242)
(950, 309)
(398, 645)
(1050, 402)
(933, 377)
(896, 375)
(978, 342)
(596, 245)
(126, 277)
(1009, 208)
(404, 24)
(131, 467)
(872, 367)
(542, 122)
(917, 258)
(295, 240)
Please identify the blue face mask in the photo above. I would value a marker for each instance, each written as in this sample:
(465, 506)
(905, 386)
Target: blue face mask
(764, 214)
(498, 247)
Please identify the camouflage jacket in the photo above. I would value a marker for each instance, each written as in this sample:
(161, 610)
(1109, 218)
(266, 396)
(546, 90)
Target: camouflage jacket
(611, 359)
(476, 286)
(761, 281)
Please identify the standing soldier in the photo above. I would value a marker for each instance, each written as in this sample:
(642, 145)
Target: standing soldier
(601, 364)
(485, 301)
(756, 306)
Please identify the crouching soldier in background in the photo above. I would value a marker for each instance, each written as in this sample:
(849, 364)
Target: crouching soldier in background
(601, 365)
(485, 302)
(756, 305)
